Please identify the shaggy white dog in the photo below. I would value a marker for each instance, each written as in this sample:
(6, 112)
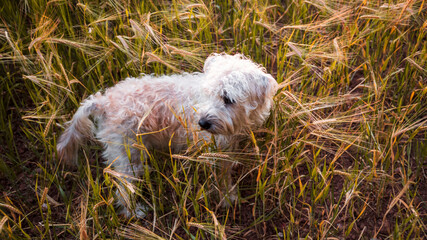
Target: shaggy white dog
(231, 96)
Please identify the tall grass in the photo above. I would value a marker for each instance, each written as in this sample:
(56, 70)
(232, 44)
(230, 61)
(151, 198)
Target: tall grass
(343, 154)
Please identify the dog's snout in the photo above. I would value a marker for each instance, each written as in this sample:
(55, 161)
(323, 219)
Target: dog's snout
(205, 124)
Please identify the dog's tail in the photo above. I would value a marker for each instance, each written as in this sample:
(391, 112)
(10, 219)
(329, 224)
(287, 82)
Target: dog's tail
(78, 129)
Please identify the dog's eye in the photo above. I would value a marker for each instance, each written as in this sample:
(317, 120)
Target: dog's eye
(227, 100)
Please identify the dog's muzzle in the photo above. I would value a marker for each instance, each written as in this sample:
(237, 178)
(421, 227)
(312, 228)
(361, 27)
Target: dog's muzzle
(205, 124)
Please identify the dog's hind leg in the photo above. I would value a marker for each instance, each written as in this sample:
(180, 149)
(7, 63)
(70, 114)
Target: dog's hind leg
(125, 166)
(126, 198)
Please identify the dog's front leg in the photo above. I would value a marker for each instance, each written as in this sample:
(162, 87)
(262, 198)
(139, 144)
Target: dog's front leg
(228, 191)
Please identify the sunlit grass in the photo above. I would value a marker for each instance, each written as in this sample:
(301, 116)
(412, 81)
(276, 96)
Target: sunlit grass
(343, 154)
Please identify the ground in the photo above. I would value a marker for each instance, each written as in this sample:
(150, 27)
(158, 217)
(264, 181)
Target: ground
(342, 156)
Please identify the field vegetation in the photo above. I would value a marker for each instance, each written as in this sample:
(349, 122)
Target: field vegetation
(343, 155)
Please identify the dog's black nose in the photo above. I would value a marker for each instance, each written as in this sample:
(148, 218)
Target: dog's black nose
(205, 124)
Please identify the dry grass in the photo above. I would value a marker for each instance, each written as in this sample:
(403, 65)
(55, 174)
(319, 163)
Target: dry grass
(343, 154)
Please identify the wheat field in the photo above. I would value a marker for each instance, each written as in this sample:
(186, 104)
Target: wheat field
(342, 156)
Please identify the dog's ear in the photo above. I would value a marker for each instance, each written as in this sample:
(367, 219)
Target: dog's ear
(266, 87)
(211, 59)
(272, 82)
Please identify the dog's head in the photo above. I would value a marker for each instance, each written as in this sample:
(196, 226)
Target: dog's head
(238, 94)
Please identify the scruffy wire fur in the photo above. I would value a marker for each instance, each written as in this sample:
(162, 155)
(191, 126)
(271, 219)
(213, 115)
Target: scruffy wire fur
(230, 96)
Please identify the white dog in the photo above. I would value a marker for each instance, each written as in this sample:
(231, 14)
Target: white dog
(231, 96)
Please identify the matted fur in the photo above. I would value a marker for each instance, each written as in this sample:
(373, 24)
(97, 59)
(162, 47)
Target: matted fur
(232, 95)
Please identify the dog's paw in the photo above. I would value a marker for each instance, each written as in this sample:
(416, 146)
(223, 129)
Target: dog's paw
(228, 200)
(140, 211)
